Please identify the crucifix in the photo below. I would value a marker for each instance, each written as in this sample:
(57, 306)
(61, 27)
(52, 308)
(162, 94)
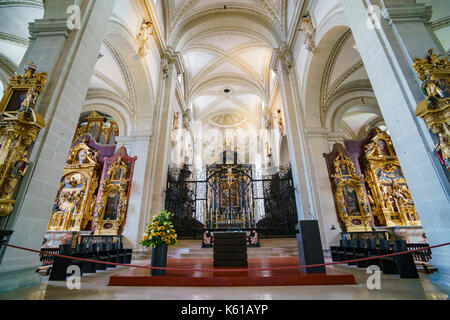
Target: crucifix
(230, 175)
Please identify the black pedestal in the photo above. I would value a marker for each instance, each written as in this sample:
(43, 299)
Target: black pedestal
(405, 262)
(230, 249)
(159, 260)
(310, 246)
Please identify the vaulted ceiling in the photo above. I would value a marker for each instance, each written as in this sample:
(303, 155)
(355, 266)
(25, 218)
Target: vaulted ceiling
(179, 10)
(227, 72)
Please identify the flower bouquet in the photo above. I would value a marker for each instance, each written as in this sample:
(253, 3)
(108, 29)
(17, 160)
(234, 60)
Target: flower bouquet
(159, 235)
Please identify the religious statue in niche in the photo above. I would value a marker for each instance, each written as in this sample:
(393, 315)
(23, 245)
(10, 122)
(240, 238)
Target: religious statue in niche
(310, 33)
(350, 197)
(72, 210)
(390, 198)
(268, 118)
(434, 73)
(442, 148)
(187, 119)
(112, 201)
(280, 122)
(176, 121)
(145, 30)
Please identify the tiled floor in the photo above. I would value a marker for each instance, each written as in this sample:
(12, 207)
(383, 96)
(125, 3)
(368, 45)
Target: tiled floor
(95, 286)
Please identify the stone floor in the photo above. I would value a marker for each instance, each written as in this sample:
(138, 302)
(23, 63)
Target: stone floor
(95, 287)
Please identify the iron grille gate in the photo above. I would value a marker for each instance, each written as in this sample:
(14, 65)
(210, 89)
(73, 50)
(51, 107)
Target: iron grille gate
(267, 203)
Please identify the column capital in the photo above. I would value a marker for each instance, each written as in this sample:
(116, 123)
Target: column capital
(282, 55)
(316, 132)
(405, 11)
(48, 28)
(173, 57)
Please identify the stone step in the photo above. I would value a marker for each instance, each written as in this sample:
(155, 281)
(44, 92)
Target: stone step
(193, 249)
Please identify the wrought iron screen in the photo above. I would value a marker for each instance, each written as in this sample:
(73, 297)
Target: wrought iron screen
(231, 197)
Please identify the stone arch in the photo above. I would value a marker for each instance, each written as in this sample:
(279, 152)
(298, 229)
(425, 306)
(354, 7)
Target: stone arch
(314, 73)
(135, 71)
(365, 99)
(241, 20)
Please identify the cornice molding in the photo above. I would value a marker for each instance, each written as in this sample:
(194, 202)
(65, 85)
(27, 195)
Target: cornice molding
(50, 28)
(398, 13)
(22, 3)
(13, 38)
(441, 23)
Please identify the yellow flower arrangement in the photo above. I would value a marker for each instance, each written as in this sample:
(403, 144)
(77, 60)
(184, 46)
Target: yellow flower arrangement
(160, 231)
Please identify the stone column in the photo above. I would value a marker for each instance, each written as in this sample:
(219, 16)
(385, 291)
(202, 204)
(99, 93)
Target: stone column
(318, 142)
(160, 142)
(69, 58)
(296, 140)
(386, 51)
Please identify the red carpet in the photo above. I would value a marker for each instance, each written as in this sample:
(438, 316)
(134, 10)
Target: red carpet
(174, 278)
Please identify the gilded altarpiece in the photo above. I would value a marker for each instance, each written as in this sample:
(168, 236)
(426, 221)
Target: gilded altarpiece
(434, 73)
(19, 127)
(73, 209)
(114, 193)
(99, 127)
(350, 197)
(389, 196)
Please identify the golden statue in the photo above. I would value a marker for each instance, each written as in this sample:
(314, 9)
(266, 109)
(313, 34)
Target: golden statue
(310, 33)
(145, 30)
(176, 121)
(280, 122)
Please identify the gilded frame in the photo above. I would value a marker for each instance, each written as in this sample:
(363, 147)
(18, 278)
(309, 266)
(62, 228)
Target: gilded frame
(345, 178)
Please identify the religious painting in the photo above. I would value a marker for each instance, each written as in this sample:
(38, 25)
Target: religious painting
(344, 170)
(351, 201)
(383, 148)
(16, 100)
(112, 204)
(117, 175)
(23, 89)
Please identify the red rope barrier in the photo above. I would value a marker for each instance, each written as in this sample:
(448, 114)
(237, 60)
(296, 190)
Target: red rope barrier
(228, 270)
